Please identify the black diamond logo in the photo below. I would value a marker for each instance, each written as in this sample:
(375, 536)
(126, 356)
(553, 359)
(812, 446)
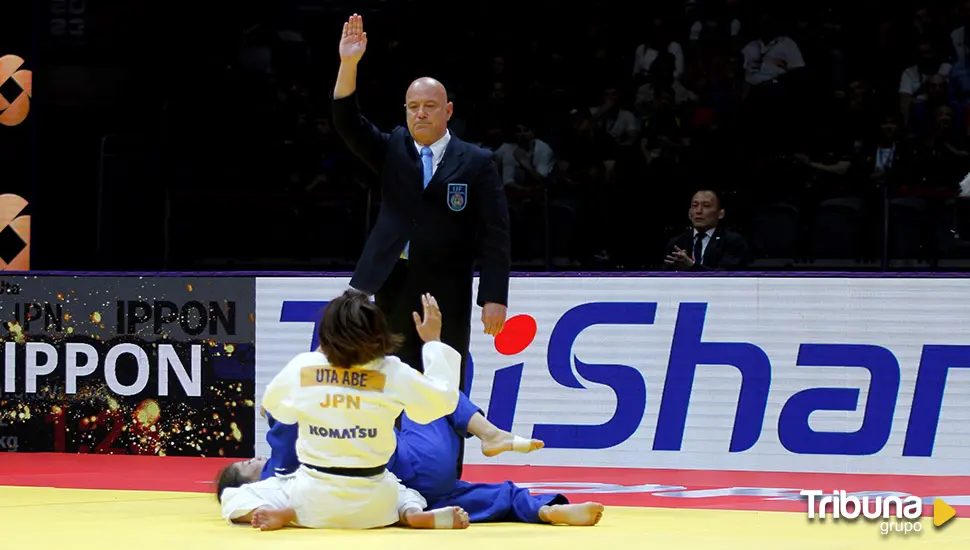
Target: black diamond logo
(10, 90)
(10, 244)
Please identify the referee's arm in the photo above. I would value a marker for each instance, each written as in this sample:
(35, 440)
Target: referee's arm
(494, 240)
(364, 139)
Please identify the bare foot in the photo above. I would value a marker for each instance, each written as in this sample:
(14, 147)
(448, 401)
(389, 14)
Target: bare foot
(451, 517)
(501, 441)
(266, 519)
(587, 513)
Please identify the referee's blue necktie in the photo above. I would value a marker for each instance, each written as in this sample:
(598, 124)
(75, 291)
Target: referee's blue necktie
(427, 161)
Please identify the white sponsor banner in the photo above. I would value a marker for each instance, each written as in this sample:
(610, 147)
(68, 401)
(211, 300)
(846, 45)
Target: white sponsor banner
(732, 373)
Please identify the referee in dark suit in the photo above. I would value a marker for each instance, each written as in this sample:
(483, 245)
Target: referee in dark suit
(443, 204)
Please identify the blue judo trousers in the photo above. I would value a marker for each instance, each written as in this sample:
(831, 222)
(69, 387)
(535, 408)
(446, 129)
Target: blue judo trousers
(425, 461)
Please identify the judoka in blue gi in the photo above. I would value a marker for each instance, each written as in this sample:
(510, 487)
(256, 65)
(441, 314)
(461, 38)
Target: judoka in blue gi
(425, 462)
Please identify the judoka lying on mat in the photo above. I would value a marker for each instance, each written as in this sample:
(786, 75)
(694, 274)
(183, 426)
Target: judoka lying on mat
(255, 491)
(265, 503)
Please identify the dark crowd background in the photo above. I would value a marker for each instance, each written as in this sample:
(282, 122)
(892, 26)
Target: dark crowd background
(196, 135)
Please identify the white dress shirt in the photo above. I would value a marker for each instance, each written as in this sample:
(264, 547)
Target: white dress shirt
(645, 56)
(438, 149)
(541, 157)
(912, 80)
(761, 59)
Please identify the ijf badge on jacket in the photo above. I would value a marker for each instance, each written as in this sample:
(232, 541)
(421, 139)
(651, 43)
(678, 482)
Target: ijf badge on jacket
(457, 196)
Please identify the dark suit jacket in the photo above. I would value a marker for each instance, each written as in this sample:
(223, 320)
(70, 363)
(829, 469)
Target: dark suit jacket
(725, 251)
(462, 214)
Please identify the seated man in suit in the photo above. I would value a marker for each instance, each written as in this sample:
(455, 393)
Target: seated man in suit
(706, 246)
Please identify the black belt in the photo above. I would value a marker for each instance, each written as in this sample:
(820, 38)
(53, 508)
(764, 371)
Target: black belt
(350, 472)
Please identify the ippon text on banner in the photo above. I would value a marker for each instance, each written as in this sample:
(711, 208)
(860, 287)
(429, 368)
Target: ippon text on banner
(129, 365)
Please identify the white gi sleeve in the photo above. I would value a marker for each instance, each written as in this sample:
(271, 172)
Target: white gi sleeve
(277, 400)
(270, 493)
(409, 498)
(429, 396)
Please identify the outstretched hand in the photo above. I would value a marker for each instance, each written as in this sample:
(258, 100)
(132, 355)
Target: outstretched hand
(430, 328)
(353, 41)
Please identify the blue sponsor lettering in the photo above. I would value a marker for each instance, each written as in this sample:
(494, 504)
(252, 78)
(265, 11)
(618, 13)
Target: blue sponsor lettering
(688, 351)
(924, 417)
(793, 429)
(346, 433)
(625, 381)
(304, 312)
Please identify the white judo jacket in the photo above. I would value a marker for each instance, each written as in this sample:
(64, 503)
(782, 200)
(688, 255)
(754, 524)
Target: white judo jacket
(346, 415)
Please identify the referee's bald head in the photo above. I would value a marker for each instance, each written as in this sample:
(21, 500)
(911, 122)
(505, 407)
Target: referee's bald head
(428, 110)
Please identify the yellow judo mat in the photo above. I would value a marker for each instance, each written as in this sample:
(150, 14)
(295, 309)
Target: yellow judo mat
(38, 518)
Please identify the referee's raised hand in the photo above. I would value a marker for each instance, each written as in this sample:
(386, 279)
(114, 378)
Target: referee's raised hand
(353, 40)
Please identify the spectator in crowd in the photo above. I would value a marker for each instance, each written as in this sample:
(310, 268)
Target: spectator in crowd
(922, 25)
(612, 118)
(884, 156)
(912, 83)
(771, 55)
(525, 163)
(770, 62)
(706, 246)
(960, 72)
(716, 21)
(525, 159)
(587, 154)
(660, 77)
(942, 153)
(663, 137)
(937, 92)
(658, 41)
(958, 37)
(858, 113)
(828, 164)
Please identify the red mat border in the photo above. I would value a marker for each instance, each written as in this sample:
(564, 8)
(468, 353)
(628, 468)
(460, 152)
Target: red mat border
(195, 475)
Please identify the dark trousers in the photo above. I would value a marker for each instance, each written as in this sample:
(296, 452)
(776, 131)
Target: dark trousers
(401, 295)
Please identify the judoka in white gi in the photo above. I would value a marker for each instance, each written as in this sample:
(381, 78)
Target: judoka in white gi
(265, 504)
(345, 399)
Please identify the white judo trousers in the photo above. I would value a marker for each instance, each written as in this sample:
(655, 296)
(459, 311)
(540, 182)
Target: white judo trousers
(346, 420)
(275, 493)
